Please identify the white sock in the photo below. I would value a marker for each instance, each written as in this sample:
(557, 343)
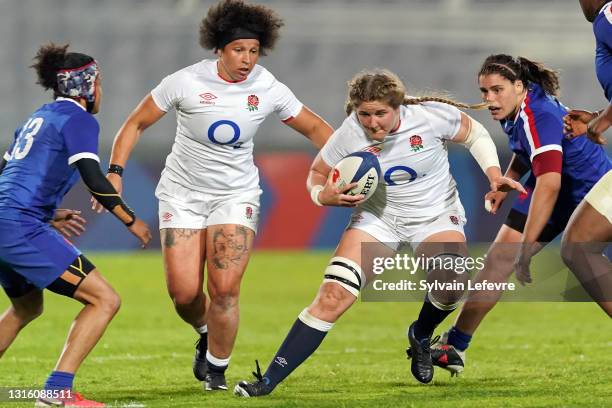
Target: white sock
(219, 362)
(202, 329)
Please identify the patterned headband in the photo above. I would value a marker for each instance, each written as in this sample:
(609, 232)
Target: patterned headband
(79, 82)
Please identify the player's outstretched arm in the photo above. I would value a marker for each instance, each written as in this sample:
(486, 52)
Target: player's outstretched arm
(544, 197)
(146, 114)
(312, 126)
(543, 201)
(103, 191)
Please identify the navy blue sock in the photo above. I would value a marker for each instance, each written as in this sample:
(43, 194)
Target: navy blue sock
(59, 380)
(299, 344)
(429, 318)
(458, 339)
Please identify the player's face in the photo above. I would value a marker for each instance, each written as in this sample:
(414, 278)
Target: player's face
(237, 59)
(503, 96)
(377, 118)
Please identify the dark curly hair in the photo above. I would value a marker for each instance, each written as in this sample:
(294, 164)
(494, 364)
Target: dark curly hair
(228, 15)
(51, 58)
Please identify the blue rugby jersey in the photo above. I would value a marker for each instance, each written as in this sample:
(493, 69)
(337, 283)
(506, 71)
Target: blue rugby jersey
(602, 27)
(536, 136)
(39, 169)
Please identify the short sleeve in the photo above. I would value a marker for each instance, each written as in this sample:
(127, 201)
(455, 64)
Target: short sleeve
(444, 119)
(603, 28)
(543, 132)
(168, 93)
(286, 105)
(340, 144)
(544, 135)
(81, 134)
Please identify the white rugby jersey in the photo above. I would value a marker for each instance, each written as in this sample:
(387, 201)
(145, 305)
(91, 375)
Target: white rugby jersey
(415, 178)
(216, 122)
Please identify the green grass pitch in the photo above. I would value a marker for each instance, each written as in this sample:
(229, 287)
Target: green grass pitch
(525, 354)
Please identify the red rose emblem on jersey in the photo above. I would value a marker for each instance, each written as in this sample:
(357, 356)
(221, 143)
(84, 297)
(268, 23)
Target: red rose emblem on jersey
(249, 213)
(454, 219)
(252, 102)
(416, 143)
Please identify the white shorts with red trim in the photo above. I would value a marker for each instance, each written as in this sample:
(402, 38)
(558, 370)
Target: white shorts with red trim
(393, 232)
(180, 207)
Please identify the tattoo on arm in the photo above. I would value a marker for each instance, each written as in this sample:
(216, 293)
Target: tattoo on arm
(170, 236)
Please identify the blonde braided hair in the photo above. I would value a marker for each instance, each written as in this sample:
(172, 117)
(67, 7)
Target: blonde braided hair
(385, 86)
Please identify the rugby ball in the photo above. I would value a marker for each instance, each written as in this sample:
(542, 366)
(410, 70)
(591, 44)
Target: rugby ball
(361, 168)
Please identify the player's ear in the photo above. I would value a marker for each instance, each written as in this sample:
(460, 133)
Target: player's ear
(519, 86)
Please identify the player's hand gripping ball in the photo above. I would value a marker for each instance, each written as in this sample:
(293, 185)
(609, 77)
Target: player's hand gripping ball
(362, 168)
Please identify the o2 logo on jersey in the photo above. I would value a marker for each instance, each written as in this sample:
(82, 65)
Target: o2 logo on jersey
(397, 175)
(219, 131)
(24, 141)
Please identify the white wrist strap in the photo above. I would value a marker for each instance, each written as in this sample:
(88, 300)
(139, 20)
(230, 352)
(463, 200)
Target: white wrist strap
(314, 194)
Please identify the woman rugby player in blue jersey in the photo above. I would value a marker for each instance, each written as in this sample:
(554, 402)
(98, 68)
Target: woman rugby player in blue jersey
(522, 96)
(590, 228)
(57, 143)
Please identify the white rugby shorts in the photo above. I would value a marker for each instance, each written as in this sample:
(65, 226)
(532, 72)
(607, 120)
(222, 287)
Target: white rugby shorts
(181, 207)
(393, 231)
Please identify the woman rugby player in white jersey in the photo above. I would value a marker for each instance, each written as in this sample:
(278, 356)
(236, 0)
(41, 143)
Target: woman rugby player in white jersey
(209, 189)
(417, 204)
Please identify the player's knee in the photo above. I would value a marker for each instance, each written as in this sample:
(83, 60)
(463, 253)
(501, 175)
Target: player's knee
(105, 299)
(225, 301)
(501, 256)
(28, 312)
(184, 298)
(110, 302)
(332, 301)
(568, 252)
(224, 289)
(450, 273)
(224, 296)
(478, 307)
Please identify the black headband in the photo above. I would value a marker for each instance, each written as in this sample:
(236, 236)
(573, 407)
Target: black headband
(238, 33)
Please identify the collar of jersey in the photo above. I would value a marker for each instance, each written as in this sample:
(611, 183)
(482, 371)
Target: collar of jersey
(60, 98)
